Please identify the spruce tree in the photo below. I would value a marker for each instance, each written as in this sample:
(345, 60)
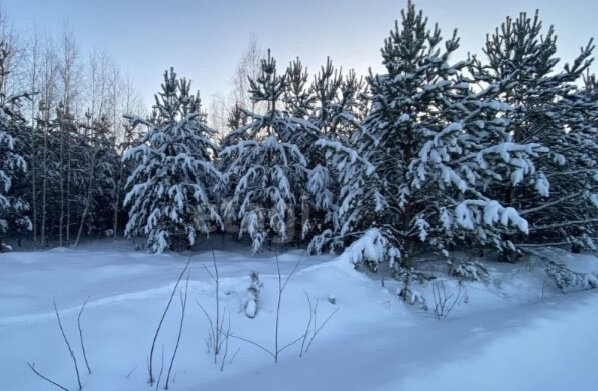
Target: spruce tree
(170, 189)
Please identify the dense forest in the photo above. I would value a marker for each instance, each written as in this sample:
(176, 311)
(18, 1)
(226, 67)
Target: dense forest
(497, 151)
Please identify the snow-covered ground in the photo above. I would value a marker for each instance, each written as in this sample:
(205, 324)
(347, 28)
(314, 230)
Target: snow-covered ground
(512, 331)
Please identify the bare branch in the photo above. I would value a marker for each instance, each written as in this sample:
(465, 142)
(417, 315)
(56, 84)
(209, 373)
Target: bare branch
(280, 289)
(81, 335)
(32, 366)
(317, 331)
(214, 340)
(308, 323)
(68, 345)
(234, 355)
(178, 339)
(444, 303)
(217, 342)
(290, 344)
(562, 224)
(225, 345)
(550, 203)
(292, 271)
(132, 370)
(209, 272)
(253, 343)
(161, 369)
(207, 316)
(151, 356)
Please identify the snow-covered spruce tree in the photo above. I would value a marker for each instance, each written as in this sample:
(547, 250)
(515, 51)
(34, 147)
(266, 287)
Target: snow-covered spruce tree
(267, 171)
(169, 191)
(561, 203)
(12, 125)
(417, 170)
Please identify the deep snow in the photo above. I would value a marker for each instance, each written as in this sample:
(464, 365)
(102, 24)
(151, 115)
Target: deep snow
(512, 331)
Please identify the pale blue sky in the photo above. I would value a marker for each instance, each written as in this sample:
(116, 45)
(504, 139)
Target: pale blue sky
(203, 39)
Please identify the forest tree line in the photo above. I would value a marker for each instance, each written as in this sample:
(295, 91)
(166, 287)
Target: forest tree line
(63, 132)
(492, 151)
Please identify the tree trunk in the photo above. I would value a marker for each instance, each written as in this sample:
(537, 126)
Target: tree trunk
(88, 200)
(68, 191)
(117, 201)
(33, 150)
(61, 219)
(33, 188)
(44, 186)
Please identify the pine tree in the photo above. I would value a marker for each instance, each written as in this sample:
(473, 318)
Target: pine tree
(546, 109)
(170, 189)
(339, 107)
(417, 170)
(267, 171)
(237, 119)
(299, 102)
(123, 170)
(298, 99)
(338, 112)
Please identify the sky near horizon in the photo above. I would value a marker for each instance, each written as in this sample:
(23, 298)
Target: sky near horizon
(203, 40)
